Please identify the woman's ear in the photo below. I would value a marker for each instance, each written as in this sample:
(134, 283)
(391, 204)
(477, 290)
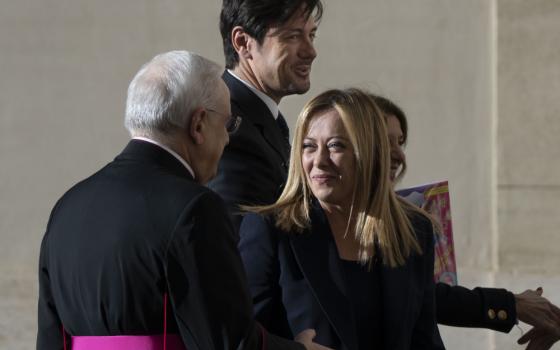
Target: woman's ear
(241, 42)
(198, 125)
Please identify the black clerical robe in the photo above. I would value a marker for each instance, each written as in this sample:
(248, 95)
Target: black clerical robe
(137, 229)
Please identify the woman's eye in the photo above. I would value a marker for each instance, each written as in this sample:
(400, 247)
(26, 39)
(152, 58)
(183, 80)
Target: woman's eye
(307, 145)
(336, 145)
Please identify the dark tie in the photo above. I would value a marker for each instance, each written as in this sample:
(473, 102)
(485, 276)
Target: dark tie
(285, 135)
(283, 127)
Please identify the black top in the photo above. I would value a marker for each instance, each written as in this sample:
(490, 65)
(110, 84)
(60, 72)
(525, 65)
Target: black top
(364, 292)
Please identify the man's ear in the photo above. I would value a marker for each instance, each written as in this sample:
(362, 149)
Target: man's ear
(241, 42)
(197, 125)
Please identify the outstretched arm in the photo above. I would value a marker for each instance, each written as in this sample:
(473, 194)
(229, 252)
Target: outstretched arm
(491, 308)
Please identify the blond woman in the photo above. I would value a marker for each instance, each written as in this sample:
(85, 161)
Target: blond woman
(338, 252)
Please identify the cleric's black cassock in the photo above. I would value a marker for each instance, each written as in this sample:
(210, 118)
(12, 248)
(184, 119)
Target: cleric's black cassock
(117, 241)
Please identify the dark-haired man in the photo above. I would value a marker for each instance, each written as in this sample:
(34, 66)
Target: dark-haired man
(268, 46)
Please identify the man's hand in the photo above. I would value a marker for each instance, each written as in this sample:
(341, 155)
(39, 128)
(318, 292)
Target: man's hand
(537, 311)
(544, 316)
(306, 338)
(538, 339)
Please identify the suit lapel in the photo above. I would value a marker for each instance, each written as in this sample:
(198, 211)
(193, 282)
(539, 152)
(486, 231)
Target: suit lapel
(257, 113)
(316, 254)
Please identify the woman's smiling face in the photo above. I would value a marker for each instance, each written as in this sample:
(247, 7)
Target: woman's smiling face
(328, 159)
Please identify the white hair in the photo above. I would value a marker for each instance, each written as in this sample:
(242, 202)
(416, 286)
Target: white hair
(166, 91)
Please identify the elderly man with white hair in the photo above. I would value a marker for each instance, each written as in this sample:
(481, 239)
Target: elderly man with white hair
(141, 255)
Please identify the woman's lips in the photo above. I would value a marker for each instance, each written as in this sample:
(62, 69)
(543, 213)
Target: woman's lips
(323, 178)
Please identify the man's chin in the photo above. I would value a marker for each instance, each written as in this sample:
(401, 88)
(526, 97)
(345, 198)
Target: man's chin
(299, 89)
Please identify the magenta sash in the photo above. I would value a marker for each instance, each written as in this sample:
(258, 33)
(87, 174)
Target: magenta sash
(128, 342)
(163, 341)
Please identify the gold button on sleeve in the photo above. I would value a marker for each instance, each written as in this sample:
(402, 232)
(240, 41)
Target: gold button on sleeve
(491, 314)
(502, 315)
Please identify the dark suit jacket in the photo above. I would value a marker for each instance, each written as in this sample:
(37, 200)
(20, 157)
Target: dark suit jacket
(296, 283)
(490, 308)
(254, 165)
(117, 241)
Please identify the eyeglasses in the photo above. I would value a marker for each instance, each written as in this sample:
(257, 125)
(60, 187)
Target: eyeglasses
(232, 123)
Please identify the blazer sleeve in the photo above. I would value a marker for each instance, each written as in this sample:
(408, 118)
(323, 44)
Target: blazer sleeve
(258, 246)
(426, 333)
(208, 286)
(491, 308)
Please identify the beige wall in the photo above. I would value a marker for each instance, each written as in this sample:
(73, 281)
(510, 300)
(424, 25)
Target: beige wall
(529, 134)
(483, 112)
(529, 147)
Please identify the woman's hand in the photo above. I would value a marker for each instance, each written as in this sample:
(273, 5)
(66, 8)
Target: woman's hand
(306, 338)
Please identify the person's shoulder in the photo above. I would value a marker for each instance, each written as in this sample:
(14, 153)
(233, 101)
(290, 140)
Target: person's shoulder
(260, 232)
(261, 224)
(419, 219)
(173, 193)
(81, 186)
(204, 209)
(421, 224)
(197, 197)
(252, 219)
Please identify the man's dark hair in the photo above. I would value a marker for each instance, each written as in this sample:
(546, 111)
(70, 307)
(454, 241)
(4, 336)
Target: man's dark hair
(257, 16)
(390, 108)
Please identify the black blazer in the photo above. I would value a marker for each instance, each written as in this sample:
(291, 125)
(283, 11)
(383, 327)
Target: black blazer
(296, 283)
(254, 165)
(117, 241)
(491, 308)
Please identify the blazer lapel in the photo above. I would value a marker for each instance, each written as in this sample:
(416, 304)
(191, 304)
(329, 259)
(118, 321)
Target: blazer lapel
(256, 111)
(316, 254)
